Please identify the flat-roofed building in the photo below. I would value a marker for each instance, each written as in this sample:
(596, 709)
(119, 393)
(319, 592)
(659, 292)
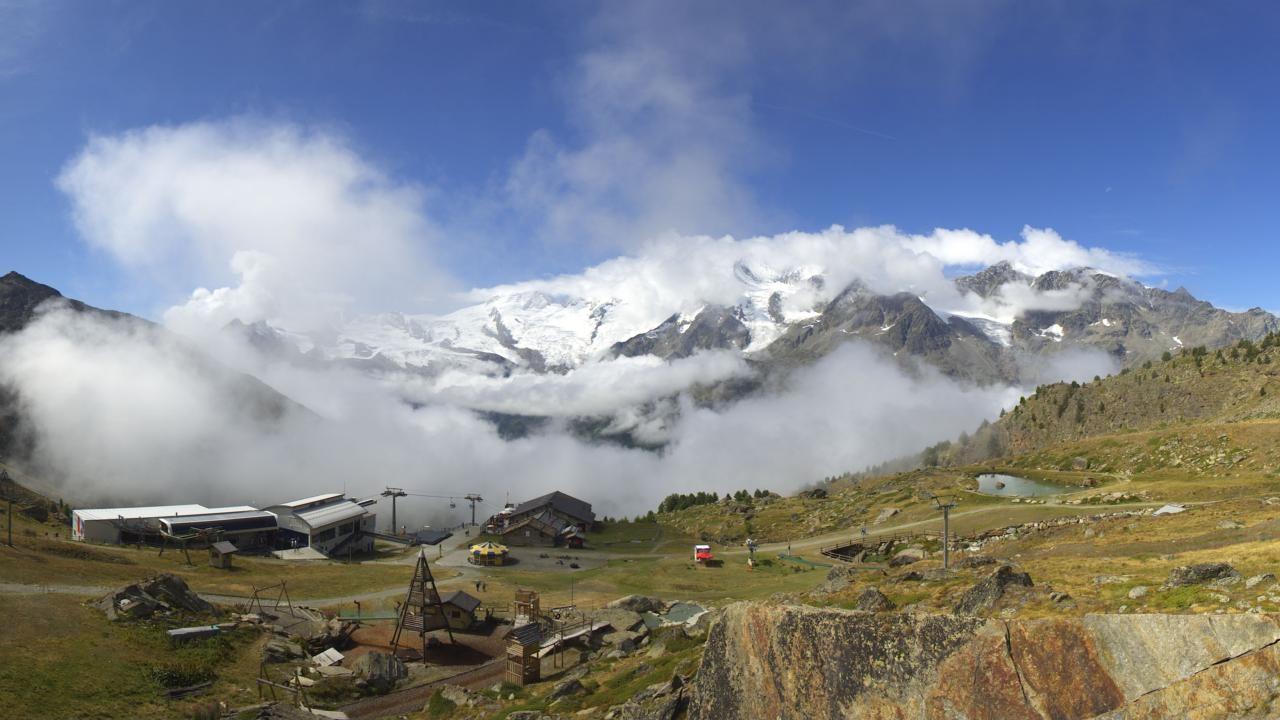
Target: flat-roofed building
(245, 526)
(118, 525)
(328, 523)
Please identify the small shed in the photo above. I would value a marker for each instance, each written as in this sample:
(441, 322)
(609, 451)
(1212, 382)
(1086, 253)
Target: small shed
(460, 609)
(220, 554)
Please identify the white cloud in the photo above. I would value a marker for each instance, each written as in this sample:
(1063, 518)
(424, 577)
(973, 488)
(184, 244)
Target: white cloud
(310, 228)
(1040, 251)
(661, 143)
(126, 414)
(598, 388)
(679, 274)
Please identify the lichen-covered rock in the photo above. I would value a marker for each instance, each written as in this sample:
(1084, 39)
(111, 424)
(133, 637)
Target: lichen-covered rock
(770, 661)
(984, 595)
(1200, 573)
(380, 671)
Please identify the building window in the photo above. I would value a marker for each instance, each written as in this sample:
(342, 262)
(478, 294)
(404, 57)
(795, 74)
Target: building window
(325, 536)
(346, 529)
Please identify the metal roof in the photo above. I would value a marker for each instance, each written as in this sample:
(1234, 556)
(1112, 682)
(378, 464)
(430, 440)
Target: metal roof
(139, 513)
(224, 548)
(567, 504)
(335, 512)
(526, 635)
(240, 520)
(311, 500)
(467, 602)
(231, 509)
(432, 537)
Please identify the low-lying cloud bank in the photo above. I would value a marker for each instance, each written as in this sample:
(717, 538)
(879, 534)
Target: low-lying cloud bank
(124, 413)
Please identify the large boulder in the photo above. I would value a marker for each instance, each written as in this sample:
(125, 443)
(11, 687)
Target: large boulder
(1200, 573)
(984, 595)
(906, 557)
(872, 600)
(763, 662)
(278, 650)
(380, 671)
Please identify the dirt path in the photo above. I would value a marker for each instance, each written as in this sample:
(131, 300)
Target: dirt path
(411, 700)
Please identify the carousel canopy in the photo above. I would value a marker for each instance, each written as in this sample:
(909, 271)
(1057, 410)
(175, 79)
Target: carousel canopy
(488, 548)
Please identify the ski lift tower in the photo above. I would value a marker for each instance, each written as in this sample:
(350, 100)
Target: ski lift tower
(946, 534)
(394, 493)
(473, 498)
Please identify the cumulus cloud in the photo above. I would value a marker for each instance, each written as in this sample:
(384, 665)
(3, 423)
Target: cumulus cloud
(1040, 251)
(599, 388)
(679, 274)
(661, 143)
(307, 227)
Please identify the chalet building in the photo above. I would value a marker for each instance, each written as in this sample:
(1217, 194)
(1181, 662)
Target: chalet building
(330, 524)
(460, 609)
(547, 521)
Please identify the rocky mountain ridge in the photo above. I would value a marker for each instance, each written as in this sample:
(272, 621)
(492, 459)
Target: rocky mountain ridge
(771, 325)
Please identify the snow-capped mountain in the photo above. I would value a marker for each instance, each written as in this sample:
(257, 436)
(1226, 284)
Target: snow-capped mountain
(992, 328)
(555, 332)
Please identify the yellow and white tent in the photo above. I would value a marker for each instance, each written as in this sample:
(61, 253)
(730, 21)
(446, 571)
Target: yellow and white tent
(488, 553)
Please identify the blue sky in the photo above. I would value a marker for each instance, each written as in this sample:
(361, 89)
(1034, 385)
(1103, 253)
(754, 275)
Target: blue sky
(1147, 128)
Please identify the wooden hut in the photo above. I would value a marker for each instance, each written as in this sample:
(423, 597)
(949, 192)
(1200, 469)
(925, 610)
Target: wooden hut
(523, 664)
(220, 554)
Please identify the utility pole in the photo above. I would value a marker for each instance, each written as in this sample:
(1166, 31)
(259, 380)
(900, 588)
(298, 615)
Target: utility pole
(946, 530)
(473, 498)
(394, 493)
(10, 522)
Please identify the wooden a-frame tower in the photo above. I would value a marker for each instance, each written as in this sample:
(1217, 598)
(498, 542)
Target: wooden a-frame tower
(422, 610)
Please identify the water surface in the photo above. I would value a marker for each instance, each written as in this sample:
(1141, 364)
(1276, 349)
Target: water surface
(1013, 486)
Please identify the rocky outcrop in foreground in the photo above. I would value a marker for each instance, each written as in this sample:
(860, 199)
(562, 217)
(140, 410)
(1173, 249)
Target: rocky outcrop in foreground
(778, 661)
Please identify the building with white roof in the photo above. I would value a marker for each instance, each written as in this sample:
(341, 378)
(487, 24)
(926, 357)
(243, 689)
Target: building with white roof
(329, 523)
(114, 525)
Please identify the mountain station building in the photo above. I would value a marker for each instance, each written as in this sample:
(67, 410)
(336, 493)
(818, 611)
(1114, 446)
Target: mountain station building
(329, 523)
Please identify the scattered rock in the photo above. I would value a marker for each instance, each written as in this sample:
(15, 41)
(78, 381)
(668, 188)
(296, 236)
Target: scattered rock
(1200, 573)
(162, 593)
(459, 696)
(1079, 463)
(984, 595)
(278, 650)
(638, 604)
(525, 715)
(973, 561)
(1230, 525)
(1058, 596)
(1137, 591)
(872, 600)
(1257, 580)
(885, 514)
(815, 494)
(1110, 579)
(567, 688)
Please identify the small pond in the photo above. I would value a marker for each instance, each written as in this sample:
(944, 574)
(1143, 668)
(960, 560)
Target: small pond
(1013, 486)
